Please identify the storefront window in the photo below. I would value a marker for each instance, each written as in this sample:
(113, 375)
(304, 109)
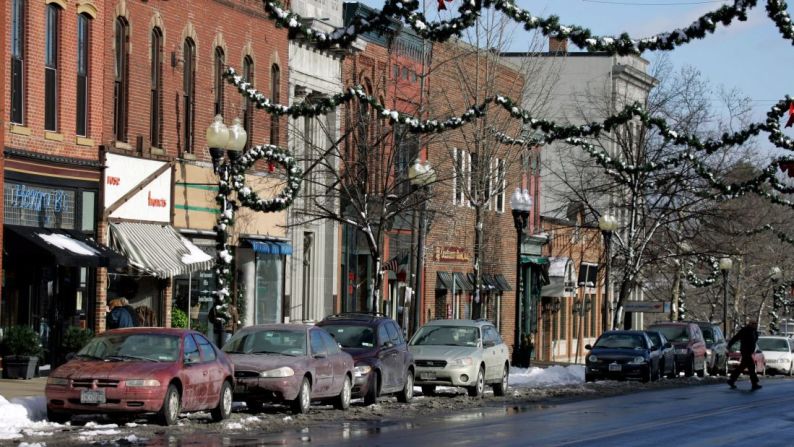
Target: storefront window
(88, 211)
(193, 295)
(269, 288)
(39, 206)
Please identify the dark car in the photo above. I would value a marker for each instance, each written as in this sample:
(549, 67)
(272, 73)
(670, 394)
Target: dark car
(716, 348)
(142, 370)
(383, 364)
(735, 358)
(622, 355)
(289, 363)
(690, 347)
(666, 354)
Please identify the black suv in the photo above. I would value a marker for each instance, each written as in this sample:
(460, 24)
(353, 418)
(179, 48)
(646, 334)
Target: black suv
(716, 348)
(383, 364)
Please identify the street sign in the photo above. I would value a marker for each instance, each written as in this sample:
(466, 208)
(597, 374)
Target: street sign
(644, 306)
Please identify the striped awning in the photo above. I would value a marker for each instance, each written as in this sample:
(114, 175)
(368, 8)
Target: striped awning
(158, 249)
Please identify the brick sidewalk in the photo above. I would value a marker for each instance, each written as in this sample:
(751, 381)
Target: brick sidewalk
(10, 388)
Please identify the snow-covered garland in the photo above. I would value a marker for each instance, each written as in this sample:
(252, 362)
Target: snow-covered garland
(780, 299)
(784, 237)
(273, 155)
(223, 258)
(776, 10)
(692, 278)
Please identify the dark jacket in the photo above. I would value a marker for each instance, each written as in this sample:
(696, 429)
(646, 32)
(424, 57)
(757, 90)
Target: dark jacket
(748, 338)
(120, 317)
(133, 315)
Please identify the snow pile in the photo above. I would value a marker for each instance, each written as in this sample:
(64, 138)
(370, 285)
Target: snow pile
(23, 415)
(35, 444)
(546, 377)
(242, 423)
(99, 430)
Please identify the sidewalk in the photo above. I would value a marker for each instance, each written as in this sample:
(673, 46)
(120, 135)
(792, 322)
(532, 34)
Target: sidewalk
(10, 388)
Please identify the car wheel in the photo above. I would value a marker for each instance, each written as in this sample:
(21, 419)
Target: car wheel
(589, 378)
(407, 392)
(500, 389)
(58, 417)
(343, 400)
(690, 367)
(224, 408)
(702, 372)
(301, 403)
(673, 373)
(372, 391)
(169, 413)
(479, 385)
(791, 369)
(647, 374)
(428, 390)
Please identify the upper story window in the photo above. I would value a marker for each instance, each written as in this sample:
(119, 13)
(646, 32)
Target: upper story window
(17, 61)
(462, 172)
(248, 108)
(156, 89)
(121, 79)
(83, 44)
(188, 93)
(220, 61)
(275, 88)
(51, 56)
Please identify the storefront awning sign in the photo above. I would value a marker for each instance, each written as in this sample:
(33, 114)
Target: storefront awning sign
(271, 247)
(158, 250)
(537, 260)
(69, 248)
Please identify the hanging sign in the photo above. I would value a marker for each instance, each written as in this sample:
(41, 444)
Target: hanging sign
(151, 200)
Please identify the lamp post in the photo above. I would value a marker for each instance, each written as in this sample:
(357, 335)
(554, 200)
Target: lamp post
(725, 266)
(774, 275)
(607, 224)
(521, 203)
(421, 176)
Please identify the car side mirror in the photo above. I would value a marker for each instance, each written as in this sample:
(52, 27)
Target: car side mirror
(320, 355)
(668, 345)
(388, 344)
(488, 344)
(191, 359)
(588, 347)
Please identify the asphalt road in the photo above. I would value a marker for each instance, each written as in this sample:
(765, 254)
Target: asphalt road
(712, 415)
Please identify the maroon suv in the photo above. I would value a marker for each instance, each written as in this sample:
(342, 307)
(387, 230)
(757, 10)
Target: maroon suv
(689, 345)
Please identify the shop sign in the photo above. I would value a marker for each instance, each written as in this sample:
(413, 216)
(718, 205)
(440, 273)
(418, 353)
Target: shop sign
(39, 206)
(451, 254)
(151, 202)
(646, 306)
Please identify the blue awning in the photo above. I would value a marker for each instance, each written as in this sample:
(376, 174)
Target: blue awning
(271, 247)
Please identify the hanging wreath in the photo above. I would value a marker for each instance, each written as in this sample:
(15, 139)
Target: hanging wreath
(274, 156)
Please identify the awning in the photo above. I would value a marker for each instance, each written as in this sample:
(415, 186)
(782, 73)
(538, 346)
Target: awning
(158, 249)
(502, 282)
(537, 260)
(69, 248)
(271, 247)
(463, 282)
(444, 281)
(488, 283)
(561, 279)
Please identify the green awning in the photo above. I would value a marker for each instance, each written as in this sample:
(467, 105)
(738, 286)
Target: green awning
(537, 260)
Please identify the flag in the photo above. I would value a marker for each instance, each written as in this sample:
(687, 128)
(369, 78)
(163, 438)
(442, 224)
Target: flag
(441, 5)
(398, 260)
(790, 121)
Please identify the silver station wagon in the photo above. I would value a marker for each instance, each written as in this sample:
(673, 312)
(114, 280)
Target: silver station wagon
(465, 353)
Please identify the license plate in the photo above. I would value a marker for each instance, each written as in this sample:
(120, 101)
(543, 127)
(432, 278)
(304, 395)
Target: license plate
(614, 367)
(92, 397)
(427, 376)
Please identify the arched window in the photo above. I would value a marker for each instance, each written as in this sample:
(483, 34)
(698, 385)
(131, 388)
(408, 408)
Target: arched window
(220, 61)
(51, 61)
(121, 79)
(248, 109)
(189, 93)
(275, 95)
(83, 44)
(156, 97)
(18, 26)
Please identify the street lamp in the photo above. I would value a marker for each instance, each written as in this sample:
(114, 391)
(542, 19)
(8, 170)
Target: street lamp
(421, 176)
(521, 203)
(725, 266)
(607, 224)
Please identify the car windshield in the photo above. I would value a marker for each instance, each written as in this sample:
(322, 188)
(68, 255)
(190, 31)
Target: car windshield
(446, 336)
(773, 344)
(352, 336)
(267, 341)
(620, 341)
(655, 338)
(132, 347)
(673, 333)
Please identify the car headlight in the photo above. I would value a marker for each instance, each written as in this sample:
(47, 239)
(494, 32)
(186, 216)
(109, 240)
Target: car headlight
(463, 361)
(59, 381)
(134, 383)
(593, 359)
(637, 360)
(284, 371)
(708, 352)
(682, 351)
(361, 371)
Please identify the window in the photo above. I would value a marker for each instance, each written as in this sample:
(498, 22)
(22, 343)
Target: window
(405, 73)
(383, 335)
(220, 61)
(461, 160)
(207, 351)
(121, 80)
(474, 176)
(396, 72)
(17, 61)
(318, 345)
(191, 350)
(83, 43)
(500, 185)
(330, 343)
(188, 92)
(51, 68)
(275, 87)
(248, 112)
(394, 333)
(156, 99)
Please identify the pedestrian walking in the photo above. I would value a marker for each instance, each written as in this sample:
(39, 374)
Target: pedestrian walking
(118, 316)
(133, 314)
(747, 337)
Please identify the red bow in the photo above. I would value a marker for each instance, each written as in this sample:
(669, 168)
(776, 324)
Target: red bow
(441, 5)
(790, 121)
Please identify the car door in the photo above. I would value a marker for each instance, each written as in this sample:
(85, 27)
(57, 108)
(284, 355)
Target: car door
(323, 368)
(720, 348)
(214, 376)
(490, 350)
(194, 381)
(386, 354)
(698, 346)
(394, 360)
(337, 359)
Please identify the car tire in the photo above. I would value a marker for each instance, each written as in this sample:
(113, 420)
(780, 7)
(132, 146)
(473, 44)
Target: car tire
(301, 403)
(791, 369)
(407, 393)
(342, 402)
(224, 408)
(673, 373)
(689, 371)
(702, 372)
(372, 391)
(647, 374)
(589, 378)
(500, 389)
(169, 412)
(479, 385)
(58, 417)
(429, 390)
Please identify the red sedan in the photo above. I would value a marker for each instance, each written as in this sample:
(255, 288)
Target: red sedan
(143, 370)
(735, 357)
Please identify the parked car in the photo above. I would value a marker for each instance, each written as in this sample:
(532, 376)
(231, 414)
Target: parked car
(622, 355)
(289, 363)
(690, 347)
(778, 353)
(464, 353)
(666, 354)
(143, 370)
(383, 363)
(716, 348)
(735, 357)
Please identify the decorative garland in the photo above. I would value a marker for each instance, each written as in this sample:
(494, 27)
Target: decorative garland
(223, 257)
(694, 281)
(272, 154)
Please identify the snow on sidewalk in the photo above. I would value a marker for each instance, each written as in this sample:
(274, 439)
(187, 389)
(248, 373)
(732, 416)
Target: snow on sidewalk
(546, 377)
(23, 416)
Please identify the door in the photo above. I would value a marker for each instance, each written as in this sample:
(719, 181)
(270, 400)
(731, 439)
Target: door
(396, 358)
(323, 368)
(386, 353)
(194, 380)
(490, 351)
(213, 370)
(337, 359)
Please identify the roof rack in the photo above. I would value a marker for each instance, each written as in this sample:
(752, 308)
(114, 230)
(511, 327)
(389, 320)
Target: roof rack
(355, 315)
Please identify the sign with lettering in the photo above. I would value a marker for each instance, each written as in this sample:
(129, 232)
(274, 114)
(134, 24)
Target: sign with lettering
(645, 306)
(149, 202)
(39, 206)
(451, 254)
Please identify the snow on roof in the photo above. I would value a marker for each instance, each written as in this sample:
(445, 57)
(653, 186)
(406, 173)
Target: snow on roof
(65, 242)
